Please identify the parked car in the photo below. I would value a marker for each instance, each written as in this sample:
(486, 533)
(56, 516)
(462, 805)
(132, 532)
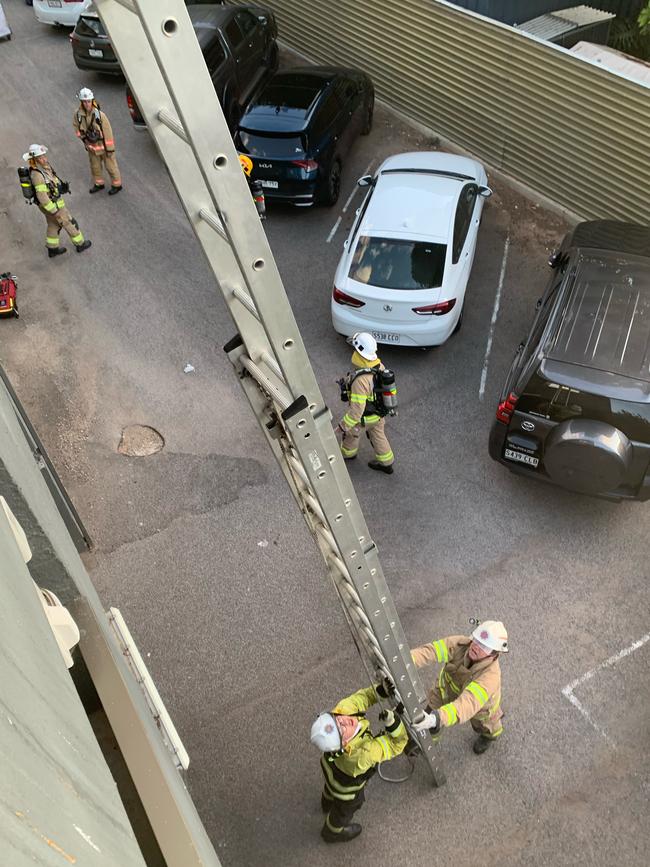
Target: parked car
(91, 47)
(62, 13)
(240, 50)
(300, 128)
(407, 260)
(575, 406)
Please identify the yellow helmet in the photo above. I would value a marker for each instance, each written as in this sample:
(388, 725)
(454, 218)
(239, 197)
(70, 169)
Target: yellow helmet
(246, 164)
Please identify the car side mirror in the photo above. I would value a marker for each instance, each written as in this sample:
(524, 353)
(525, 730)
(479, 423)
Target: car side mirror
(555, 259)
(365, 181)
(263, 19)
(484, 192)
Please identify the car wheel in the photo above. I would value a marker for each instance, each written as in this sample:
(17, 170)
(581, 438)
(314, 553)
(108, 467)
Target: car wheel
(333, 184)
(459, 324)
(369, 111)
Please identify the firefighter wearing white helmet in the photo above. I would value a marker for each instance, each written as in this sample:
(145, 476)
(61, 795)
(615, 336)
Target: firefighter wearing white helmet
(468, 687)
(48, 191)
(351, 754)
(94, 129)
(358, 388)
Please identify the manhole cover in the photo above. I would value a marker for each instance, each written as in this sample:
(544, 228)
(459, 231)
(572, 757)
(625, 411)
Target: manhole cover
(140, 440)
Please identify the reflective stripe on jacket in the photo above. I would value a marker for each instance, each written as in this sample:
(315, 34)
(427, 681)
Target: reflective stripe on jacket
(362, 395)
(468, 689)
(361, 755)
(47, 188)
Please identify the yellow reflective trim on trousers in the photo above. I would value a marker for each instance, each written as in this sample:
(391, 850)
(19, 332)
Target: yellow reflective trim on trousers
(441, 651)
(371, 419)
(348, 452)
(357, 398)
(479, 692)
(60, 203)
(334, 828)
(451, 712)
(387, 456)
(353, 422)
(52, 242)
(50, 207)
(452, 683)
(384, 746)
(40, 188)
(25, 185)
(77, 239)
(343, 793)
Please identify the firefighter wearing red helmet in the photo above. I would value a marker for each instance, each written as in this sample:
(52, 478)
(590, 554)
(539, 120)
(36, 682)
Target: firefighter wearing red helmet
(468, 687)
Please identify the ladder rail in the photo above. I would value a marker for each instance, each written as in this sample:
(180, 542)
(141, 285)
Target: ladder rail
(163, 63)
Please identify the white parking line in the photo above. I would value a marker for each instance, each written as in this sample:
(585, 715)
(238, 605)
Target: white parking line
(347, 205)
(495, 313)
(568, 691)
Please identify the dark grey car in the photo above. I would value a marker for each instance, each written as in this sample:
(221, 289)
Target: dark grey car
(575, 407)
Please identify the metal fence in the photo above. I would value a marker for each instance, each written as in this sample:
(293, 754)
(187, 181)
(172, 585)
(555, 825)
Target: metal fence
(567, 128)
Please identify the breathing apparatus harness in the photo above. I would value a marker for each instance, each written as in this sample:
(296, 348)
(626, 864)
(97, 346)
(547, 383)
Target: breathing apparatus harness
(92, 134)
(56, 189)
(384, 390)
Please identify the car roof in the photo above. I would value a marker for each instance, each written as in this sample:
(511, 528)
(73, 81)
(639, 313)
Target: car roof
(415, 198)
(288, 101)
(604, 322)
(207, 19)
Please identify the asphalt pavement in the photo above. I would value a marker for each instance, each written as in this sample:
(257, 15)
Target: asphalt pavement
(203, 550)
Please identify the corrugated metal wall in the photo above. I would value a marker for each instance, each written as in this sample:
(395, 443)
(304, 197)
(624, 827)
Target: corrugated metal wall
(570, 130)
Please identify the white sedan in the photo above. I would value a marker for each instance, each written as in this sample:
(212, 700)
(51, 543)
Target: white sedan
(407, 260)
(60, 12)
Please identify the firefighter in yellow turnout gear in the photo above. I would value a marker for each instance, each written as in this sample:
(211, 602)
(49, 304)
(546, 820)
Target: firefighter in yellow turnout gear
(48, 192)
(94, 129)
(362, 411)
(469, 683)
(350, 757)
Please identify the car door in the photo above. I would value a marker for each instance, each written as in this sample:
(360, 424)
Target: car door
(349, 121)
(324, 131)
(463, 246)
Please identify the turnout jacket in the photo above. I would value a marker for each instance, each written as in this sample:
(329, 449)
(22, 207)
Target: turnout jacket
(466, 689)
(47, 187)
(360, 756)
(94, 129)
(361, 391)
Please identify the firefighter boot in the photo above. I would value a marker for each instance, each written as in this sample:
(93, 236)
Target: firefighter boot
(96, 188)
(481, 744)
(84, 246)
(325, 803)
(55, 251)
(114, 190)
(345, 834)
(383, 468)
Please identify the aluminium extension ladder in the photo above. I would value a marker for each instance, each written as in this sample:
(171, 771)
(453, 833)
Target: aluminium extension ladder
(161, 59)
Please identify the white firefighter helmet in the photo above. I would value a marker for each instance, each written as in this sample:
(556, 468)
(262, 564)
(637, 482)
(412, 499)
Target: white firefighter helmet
(492, 635)
(325, 733)
(85, 93)
(35, 150)
(365, 344)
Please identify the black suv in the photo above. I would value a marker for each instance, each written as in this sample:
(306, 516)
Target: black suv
(300, 129)
(240, 50)
(575, 407)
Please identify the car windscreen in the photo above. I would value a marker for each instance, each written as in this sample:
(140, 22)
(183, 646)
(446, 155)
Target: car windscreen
(257, 144)
(391, 263)
(551, 400)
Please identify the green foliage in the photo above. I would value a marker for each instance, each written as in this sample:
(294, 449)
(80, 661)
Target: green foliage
(644, 20)
(632, 36)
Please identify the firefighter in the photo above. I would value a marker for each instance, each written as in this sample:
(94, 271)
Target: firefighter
(351, 754)
(469, 683)
(362, 410)
(94, 129)
(48, 192)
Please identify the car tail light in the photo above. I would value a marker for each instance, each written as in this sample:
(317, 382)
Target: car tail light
(307, 165)
(348, 300)
(506, 408)
(435, 309)
(131, 105)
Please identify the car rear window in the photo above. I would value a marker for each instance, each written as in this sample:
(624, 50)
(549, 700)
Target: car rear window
(89, 26)
(548, 399)
(259, 145)
(391, 263)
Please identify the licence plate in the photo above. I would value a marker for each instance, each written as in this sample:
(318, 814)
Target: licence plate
(521, 458)
(55, 3)
(385, 337)
(270, 185)
(95, 52)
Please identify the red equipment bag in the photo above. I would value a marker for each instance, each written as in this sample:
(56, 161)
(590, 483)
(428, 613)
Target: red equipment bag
(8, 291)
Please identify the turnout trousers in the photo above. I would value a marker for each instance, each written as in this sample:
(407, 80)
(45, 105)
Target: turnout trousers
(375, 431)
(342, 797)
(62, 219)
(487, 721)
(101, 162)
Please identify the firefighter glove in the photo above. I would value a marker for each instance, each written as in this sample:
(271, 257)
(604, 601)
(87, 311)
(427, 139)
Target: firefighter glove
(385, 689)
(64, 187)
(430, 721)
(388, 717)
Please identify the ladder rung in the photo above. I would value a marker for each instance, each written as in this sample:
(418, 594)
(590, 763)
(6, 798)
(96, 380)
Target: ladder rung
(172, 123)
(281, 397)
(245, 299)
(128, 4)
(271, 363)
(213, 221)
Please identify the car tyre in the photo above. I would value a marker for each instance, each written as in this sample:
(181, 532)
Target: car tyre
(368, 116)
(459, 324)
(332, 189)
